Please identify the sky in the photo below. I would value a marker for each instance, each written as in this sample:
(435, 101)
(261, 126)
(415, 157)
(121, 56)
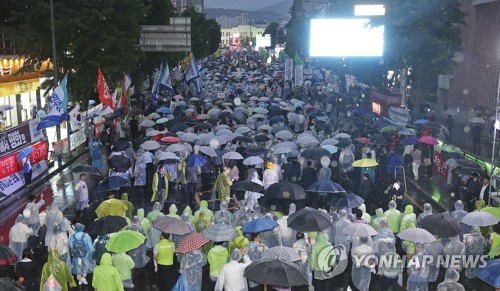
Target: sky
(239, 4)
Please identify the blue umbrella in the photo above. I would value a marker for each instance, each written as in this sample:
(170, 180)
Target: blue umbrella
(421, 121)
(490, 273)
(259, 225)
(348, 200)
(326, 187)
(24, 153)
(381, 122)
(195, 160)
(51, 120)
(410, 141)
(276, 119)
(111, 183)
(220, 232)
(165, 110)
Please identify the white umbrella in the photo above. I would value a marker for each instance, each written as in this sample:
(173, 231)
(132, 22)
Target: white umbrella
(478, 120)
(223, 139)
(243, 129)
(189, 137)
(150, 145)
(342, 135)
(284, 134)
(147, 123)
(5, 107)
(480, 218)
(261, 110)
(285, 144)
(265, 127)
(293, 117)
(232, 156)
(154, 115)
(253, 161)
(176, 148)
(208, 151)
(205, 138)
(329, 141)
(222, 126)
(259, 116)
(178, 97)
(359, 229)
(203, 117)
(418, 235)
(167, 156)
(282, 150)
(235, 134)
(153, 132)
(223, 131)
(213, 112)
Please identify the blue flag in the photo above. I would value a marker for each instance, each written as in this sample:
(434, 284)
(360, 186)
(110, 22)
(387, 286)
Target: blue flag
(166, 80)
(192, 70)
(156, 86)
(58, 106)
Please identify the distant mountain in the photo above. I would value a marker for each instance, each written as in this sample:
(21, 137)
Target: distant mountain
(257, 16)
(282, 7)
(252, 5)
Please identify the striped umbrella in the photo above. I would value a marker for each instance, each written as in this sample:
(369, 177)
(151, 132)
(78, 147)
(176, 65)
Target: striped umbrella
(220, 232)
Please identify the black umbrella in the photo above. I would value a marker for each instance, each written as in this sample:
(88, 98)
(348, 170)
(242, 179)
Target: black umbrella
(111, 183)
(261, 138)
(121, 145)
(224, 114)
(378, 139)
(107, 225)
(468, 164)
(315, 153)
(248, 186)
(203, 125)
(213, 120)
(285, 191)
(276, 119)
(347, 200)
(309, 219)
(9, 284)
(179, 127)
(344, 142)
(243, 139)
(276, 272)
(255, 151)
(119, 163)
(86, 169)
(326, 187)
(441, 224)
(7, 256)
(171, 134)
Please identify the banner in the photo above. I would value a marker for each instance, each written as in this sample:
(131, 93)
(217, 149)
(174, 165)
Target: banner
(439, 164)
(127, 81)
(14, 182)
(399, 115)
(75, 118)
(103, 90)
(15, 138)
(156, 86)
(77, 138)
(9, 164)
(288, 69)
(388, 97)
(192, 70)
(299, 75)
(35, 134)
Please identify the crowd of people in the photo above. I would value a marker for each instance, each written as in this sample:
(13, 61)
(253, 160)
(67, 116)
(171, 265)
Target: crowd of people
(249, 150)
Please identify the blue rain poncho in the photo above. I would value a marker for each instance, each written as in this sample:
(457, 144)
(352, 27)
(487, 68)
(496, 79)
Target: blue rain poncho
(18, 236)
(138, 254)
(427, 212)
(124, 264)
(361, 274)
(192, 267)
(474, 246)
(81, 250)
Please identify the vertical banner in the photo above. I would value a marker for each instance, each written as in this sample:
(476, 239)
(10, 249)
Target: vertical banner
(299, 75)
(288, 69)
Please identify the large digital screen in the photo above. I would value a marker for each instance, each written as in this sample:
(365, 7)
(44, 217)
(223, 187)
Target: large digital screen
(262, 41)
(345, 38)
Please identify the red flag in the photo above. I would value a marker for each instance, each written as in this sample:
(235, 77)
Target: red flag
(103, 90)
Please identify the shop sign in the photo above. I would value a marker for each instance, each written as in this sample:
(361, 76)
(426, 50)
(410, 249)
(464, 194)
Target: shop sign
(9, 164)
(376, 108)
(77, 138)
(388, 97)
(12, 183)
(14, 138)
(13, 88)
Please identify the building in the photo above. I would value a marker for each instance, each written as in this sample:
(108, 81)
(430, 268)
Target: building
(475, 80)
(181, 5)
(233, 21)
(240, 34)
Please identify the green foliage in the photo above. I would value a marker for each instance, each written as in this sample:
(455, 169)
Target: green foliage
(297, 36)
(205, 34)
(272, 29)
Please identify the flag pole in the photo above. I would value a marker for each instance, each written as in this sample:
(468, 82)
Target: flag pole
(495, 129)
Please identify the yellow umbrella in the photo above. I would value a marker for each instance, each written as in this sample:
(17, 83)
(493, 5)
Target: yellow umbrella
(364, 163)
(111, 207)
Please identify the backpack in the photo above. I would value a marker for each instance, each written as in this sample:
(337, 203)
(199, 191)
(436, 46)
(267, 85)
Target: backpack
(79, 247)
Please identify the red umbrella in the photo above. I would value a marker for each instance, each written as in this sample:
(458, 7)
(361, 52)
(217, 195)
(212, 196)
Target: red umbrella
(159, 136)
(7, 256)
(170, 139)
(191, 242)
(429, 140)
(364, 140)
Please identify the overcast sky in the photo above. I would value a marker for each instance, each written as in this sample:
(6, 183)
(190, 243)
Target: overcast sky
(239, 4)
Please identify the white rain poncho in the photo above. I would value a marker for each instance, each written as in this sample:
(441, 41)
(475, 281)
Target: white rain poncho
(244, 216)
(450, 282)
(286, 233)
(81, 265)
(138, 254)
(32, 214)
(223, 213)
(427, 212)
(60, 242)
(252, 197)
(304, 250)
(384, 231)
(237, 213)
(254, 252)
(272, 238)
(386, 250)
(454, 247)
(324, 174)
(18, 236)
(177, 239)
(192, 266)
(340, 237)
(256, 211)
(269, 177)
(361, 274)
(474, 246)
(140, 173)
(418, 280)
(458, 214)
(434, 249)
(54, 216)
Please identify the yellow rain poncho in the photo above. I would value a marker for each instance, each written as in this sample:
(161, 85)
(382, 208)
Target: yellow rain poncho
(57, 268)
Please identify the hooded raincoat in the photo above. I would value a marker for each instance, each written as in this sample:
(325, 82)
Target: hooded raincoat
(474, 246)
(253, 197)
(138, 254)
(130, 209)
(375, 223)
(321, 243)
(222, 186)
(434, 249)
(217, 257)
(361, 274)
(427, 212)
(458, 214)
(340, 237)
(54, 216)
(81, 265)
(57, 268)
(192, 267)
(18, 236)
(393, 216)
(145, 224)
(155, 212)
(223, 214)
(106, 276)
(124, 263)
(204, 208)
(172, 212)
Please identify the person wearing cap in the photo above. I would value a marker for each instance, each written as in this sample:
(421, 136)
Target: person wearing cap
(270, 176)
(231, 276)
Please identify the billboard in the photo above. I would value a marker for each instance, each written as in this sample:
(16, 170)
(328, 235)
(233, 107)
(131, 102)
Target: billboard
(262, 41)
(345, 38)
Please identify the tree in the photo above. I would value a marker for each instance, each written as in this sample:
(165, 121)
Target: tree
(271, 29)
(205, 34)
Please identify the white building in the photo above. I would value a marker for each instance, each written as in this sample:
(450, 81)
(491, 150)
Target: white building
(240, 33)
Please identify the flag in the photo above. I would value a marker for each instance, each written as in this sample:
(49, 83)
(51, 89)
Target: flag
(75, 118)
(199, 85)
(497, 121)
(298, 60)
(103, 90)
(127, 81)
(217, 53)
(156, 86)
(166, 80)
(288, 69)
(177, 72)
(191, 71)
(58, 106)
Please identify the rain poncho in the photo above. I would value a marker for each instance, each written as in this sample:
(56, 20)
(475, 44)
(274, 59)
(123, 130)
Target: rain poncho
(154, 234)
(140, 174)
(217, 257)
(124, 264)
(51, 284)
(223, 213)
(231, 277)
(304, 250)
(222, 186)
(145, 224)
(96, 155)
(81, 244)
(204, 208)
(82, 195)
(203, 221)
(18, 236)
(252, 197)
(450, 282)
(384, 231)
(256, 211)
(172, 212)
(321, 243)
(474, 246)
(58, 269)
(361, 274)
(324, 174)
(346, 158)
(366, 217)
(340, 237)
(130, 209)
(286, 233)
(458, 214)
(33, 219)
(269, 177)
(254, 251)
(375, 223)
(54, 216)
(454, 247)
(427, 212)
(240, 242)
(237, 213)
(155, 212)
(106, 276)
(192, 266)
(419, 274)
(434, 249)
(59, 241)
(393, 216)
(409, 219)
(138, 254)
(272, 238)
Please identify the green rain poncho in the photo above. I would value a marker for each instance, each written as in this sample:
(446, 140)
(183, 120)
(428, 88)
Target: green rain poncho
(321, 243)
(57, 268)
(129, 204)
(204, 208)
(188, 210)
(145, 224)
(202, 222)
(240, 242)
(124, 264)
(223, 186)
(366, 217)
(217, 257)
(172, 212)
(409, 221)
(393, 216)
(106, 276)
(153, 214)
(379, 213)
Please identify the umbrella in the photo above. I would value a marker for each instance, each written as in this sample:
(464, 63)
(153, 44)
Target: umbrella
(203, 116)
(332, 149)
(450, 112)
(468, 164)
(490, 273)
(162, 120)
(243, 129)
(179, 127)
(232, 156)
(363, 140)
(342, 135)
(9, 284)
(171, 225)
(477, 120)
(284, 134)
(265, 126)
(261, 138)
(255, 151)
(315, 153)
(410, 141)
(164, 110)
(359, 229)
(406, 131)
(421, 121)
(86, 169)
(220, 232)
(189, 137)
(417, 235)
(429, 140)
(248, 186)
(147, 123)
(107, 225)
(282, 150)
(259, 225)
(169, 157)
(203, 125)
(7, 256)
(124, 241)
(208, 151)
(364, 163)
(275, 272)
(441, 224)
(111, 183)
(326, 187)
(154, 115)
(175, 148)
(152, 132)
(195, 160)
(389, 128)
(493, 210)
(191, 242)
(349, 200)
(170, 139)
(6, 107)
(329, 141)
(286, 254)
(111, 207)
(253, 161)
(24, 153)
(243, 139)
(120, 163)
(378, 139)
(150, 145)
(309, 219)
(479, 218)
(285, 190)
(121, 145)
